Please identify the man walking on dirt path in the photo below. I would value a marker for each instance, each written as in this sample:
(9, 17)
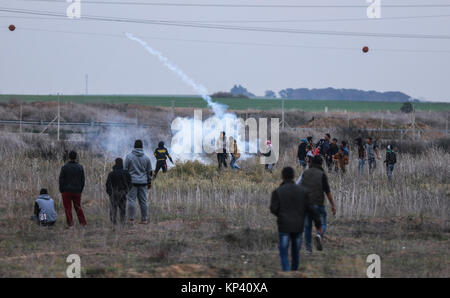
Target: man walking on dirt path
(71, 185)
(289, 203)
(140, 168)
(315, 181)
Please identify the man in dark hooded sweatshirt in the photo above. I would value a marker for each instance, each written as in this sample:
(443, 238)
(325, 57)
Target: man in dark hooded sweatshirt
(161, 154)
(290, 204)
(140, 168)
(71, 185)
(118, 185)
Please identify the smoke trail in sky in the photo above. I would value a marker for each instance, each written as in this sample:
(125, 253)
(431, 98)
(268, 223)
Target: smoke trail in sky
(217, 108)
(186, 143)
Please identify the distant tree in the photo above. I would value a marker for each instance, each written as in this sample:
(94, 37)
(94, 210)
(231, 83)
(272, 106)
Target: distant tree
(270, 94)
(407, 107)
(239, 90)
(227, 95)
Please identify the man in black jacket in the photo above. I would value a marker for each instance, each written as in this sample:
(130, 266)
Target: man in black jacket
(71, 185)
(315, 181)
(161, 154)
(289, 203)
(118, 185)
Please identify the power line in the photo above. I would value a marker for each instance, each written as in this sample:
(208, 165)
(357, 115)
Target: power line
(63, 18)
(234, 42)
(240, 28)
(176, 4)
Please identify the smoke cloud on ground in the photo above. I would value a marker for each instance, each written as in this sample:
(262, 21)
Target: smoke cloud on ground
(192, 137)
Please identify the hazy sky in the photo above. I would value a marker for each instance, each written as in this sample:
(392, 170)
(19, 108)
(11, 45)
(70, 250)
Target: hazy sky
(39, 59)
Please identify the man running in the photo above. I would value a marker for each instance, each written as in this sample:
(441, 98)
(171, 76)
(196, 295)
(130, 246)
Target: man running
(161, 154)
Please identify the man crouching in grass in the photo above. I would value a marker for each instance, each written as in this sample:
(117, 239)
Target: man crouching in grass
(289, 204)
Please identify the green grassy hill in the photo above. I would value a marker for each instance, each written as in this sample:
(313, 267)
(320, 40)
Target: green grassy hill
(233, 103)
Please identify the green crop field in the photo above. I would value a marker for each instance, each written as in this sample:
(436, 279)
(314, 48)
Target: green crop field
(232, 103)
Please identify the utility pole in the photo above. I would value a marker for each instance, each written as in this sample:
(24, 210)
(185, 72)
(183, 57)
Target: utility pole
(282, 113)
(20, 125)
(86, 83)
(59, 112)
(446, 125)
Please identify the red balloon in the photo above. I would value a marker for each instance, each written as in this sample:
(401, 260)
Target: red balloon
(365, 49)
(12, 27)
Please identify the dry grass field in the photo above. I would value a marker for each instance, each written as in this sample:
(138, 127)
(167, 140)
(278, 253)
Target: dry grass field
(205, 223)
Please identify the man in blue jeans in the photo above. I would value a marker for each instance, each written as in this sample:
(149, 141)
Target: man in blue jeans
(289, 203)
(140, 168)
(315, 181)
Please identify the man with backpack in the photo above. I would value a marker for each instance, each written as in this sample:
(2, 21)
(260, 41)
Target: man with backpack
(390, 161)
(118, 184)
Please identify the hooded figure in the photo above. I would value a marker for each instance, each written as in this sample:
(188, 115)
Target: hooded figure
(161, 154)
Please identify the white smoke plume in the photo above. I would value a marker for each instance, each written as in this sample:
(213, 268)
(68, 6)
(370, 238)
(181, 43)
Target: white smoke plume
(186, 145)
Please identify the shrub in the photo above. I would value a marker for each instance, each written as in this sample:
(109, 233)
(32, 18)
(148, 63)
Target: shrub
(407, 107)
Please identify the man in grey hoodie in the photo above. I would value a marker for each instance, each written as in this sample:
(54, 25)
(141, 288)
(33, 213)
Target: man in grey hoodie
(140, 168)
(44, 209)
